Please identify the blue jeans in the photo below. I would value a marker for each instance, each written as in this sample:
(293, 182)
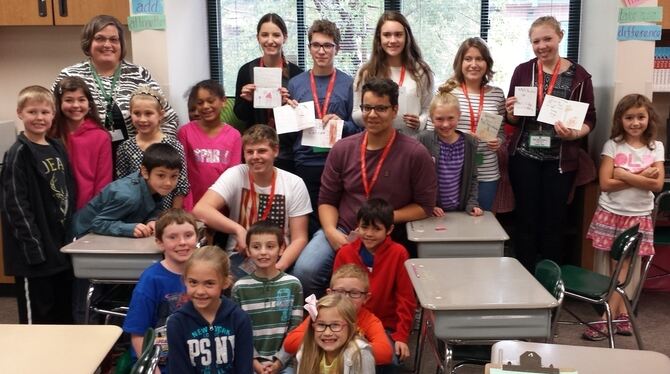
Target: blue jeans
(487, 194)
(315, 265)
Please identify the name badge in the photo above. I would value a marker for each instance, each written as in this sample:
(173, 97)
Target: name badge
(539, 139)
(117, 135)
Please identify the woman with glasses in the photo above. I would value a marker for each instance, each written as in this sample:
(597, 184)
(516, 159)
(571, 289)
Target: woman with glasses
(271, 34)
(396, 55)
(111, 79)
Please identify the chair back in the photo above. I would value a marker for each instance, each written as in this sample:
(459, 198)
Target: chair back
(625, 247)
(144, 360)
(622, 242)
(548, 273)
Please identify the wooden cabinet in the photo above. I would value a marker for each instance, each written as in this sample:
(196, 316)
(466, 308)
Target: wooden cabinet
(59, 12)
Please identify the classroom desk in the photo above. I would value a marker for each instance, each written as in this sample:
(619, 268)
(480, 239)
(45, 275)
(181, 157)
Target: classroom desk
(72, 349)
(586, 360)
(458, 234)
(475, 300)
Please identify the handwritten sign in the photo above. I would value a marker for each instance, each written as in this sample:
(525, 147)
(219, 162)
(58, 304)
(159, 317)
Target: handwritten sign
(639, 32)
(641, 14)
(268, 83)
(570, 113)
(323, 136)
(632, 3)
(147, 7)
(289, 119)
(488, 126)
(141, 22)
(526, 101)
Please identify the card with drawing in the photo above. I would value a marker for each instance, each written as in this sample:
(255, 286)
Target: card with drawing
(289, 119)
(488, 126)
(323, 136)
(268, 84)
(526, 100)
(570, 113)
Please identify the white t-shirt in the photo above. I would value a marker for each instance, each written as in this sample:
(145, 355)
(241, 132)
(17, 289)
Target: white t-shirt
(631, 201)
(291, 198)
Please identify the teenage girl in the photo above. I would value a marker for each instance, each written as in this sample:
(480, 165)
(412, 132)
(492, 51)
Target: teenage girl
(210, 146)
(332, 344)
(454, 154)
(631, 169)
(210, 333)
(88, 144)
(396, 55)
(271, 34)
(146, 113)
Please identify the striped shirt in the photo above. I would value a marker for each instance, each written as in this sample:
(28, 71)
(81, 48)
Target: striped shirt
(449, 172)
(275, 307)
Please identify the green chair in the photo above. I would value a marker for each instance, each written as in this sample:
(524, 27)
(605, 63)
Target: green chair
(548, 273)
(585, 285)
(147, 361)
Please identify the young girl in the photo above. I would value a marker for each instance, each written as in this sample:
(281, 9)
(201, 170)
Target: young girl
(332, 344)
(88, 144)
(146, 112)
(453, 153)
(210, 145)
(631, 169)
(209, 333)
(395, 54)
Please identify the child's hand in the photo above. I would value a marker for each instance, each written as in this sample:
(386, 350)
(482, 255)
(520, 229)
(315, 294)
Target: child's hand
(402, 351)
(247, 92)
(152, 226)
(274, 367)
(619, 173)
(412, 121)
(493, 144)
(650, 172)
(476, 211)
(438, 212)
(258, 367)
(142, 231)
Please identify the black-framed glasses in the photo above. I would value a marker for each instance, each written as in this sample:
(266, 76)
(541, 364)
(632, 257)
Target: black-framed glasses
(334, 327)
(377, 108)
(354, 294)
(326, 46)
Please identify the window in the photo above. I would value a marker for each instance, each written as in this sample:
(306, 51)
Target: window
(439, 27)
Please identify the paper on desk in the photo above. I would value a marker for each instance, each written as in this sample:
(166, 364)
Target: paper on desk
(488, 126)
(268, 83)
(408, 103)
(570, 113)
(526, 100)
(324, 137)
(289, 119)
(501, 371)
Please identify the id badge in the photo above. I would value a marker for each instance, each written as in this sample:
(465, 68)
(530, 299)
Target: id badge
(539, 139)
(479, 159)
(117, 135)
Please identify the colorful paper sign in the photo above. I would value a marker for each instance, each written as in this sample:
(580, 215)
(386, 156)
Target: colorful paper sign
(147, 7)
(632, 3)
(141, 22)
(639, 32)
(641, 14)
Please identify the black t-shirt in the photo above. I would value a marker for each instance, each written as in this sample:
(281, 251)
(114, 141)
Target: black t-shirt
(52, 167)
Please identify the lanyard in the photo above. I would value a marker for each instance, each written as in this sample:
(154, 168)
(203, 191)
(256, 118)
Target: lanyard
(402, 76)
(109, 99)
(321, 110)
(364, 172)
(540, 81)
(474, 120)
(268, 207)
(262, 64)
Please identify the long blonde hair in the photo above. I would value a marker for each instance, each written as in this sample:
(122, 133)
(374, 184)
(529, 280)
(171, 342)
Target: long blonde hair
(312, 354)
(445, 96)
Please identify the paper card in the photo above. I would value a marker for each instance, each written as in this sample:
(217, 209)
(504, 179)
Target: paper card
(289, 119)
(630, 3)
(641, 14)
(571, 113)
(268, 84)
(146, 6)
(323, 136)
(488, 126)
(408, 103)
(526, 100)
(141, 22)
(639, 32)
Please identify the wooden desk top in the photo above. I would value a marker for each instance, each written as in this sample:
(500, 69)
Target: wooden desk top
(456, 226)
(94, 243)
(476, 283)
(72, 349)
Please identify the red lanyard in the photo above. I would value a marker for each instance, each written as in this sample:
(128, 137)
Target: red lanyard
(283, 62)
(268, 206)
(474, 120)
(402, 76)
(540, 81)
(321, 110)
(364, 172)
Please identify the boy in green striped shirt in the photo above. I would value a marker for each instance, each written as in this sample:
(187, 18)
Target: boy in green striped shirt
(272, 298)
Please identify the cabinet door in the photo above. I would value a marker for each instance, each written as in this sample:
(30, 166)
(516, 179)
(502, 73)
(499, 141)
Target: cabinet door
(27, 12)
(79, 12)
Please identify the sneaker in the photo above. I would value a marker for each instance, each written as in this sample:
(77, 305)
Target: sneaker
(624, 327)
(596, 331)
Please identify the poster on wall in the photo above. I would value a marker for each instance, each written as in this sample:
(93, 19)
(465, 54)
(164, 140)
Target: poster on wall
(146, 15)
(639, 32)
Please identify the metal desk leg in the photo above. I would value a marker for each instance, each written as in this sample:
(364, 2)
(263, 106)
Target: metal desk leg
(418, 351)
(89, 296)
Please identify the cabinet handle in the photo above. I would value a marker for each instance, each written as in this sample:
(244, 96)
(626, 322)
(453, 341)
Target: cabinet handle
(42, 8)
(62, 8)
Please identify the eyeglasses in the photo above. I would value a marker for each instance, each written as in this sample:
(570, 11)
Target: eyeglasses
(354, 294)
(102, 40)
(326, 46)
(334, 327)
(377, 108)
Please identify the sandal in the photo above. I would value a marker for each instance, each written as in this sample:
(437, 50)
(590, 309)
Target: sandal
(596, 332)
(624, 327)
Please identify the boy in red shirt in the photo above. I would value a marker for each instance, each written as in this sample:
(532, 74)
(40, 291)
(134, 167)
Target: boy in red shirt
(392, 296)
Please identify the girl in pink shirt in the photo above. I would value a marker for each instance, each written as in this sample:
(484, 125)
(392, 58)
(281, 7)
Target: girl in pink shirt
(210, 146)
(88, 144)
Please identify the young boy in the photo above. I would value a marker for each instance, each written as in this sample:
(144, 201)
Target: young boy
(37, 203)
(351, 280)
(160, 290)
(392, 296)
(272, 298)
(129, 206)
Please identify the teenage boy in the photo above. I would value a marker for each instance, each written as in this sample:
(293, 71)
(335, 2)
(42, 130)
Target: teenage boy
(378, 162)
(332, 93)
(392, 295)
(37, 203)
(272, 298)
(257, 191)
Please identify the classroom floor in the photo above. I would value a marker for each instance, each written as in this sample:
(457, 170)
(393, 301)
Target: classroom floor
(654, 321)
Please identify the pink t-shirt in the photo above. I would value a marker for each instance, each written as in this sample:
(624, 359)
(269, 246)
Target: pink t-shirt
(207, 157)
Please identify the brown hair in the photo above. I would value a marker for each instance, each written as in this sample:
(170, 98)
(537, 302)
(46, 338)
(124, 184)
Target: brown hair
(260, 133)
(275, 19)
(216, 257)
(351, 271)
(325, 27)
(377, 66)
(60, 129)
(634, 101)
(94, 26)
(266, 227)
(444, 96)
(550, 21)
(176, 216)
(481, 46)
(35, 93)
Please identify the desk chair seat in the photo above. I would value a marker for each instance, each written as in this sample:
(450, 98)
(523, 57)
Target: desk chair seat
(588, 286)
